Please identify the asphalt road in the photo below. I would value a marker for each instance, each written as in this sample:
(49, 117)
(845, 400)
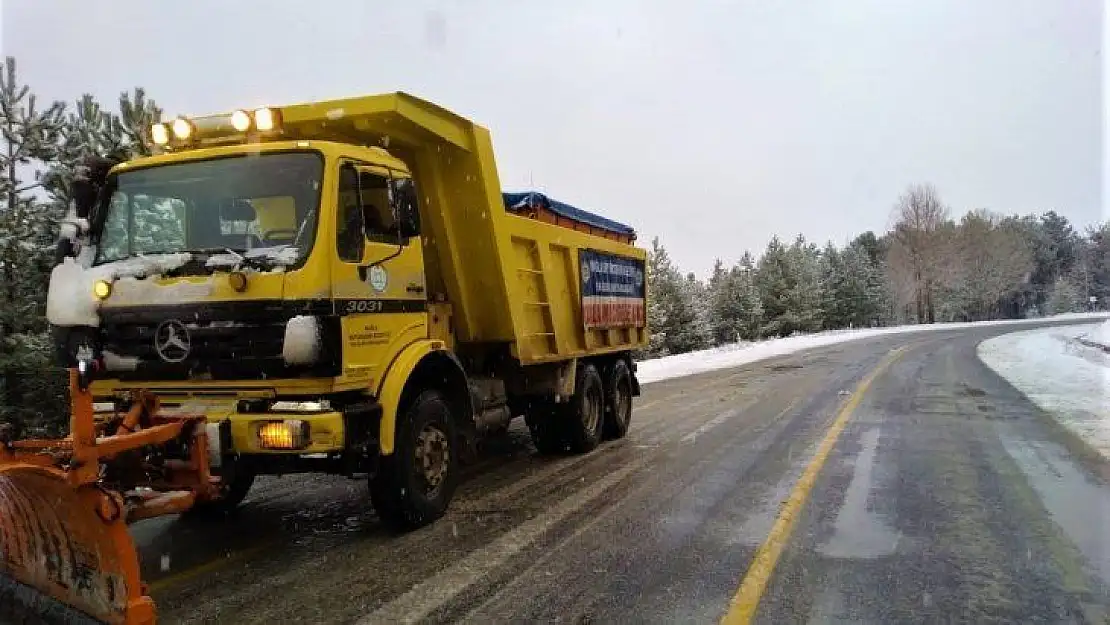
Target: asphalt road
(887, 480)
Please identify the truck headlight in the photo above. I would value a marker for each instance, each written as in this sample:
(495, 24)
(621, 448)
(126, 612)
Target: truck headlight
(291, 434)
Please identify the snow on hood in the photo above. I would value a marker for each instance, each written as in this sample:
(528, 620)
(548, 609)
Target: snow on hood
(70, 300)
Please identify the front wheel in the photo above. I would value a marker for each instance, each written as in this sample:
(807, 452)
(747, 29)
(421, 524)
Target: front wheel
(234, 487)
(414, 485)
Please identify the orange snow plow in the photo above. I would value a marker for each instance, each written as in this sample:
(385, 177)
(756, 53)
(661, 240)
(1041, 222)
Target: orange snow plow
(65, 505)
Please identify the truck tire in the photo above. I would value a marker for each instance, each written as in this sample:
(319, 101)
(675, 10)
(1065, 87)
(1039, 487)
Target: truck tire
(414, 485)
(233, 494)
(584, 418)
(618, 400)
(545, 423)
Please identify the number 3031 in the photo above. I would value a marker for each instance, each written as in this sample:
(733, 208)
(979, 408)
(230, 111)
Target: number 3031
(364, 306)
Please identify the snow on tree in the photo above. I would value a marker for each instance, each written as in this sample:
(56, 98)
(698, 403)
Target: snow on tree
(734, 305)
(993, 261)
(700, 331)
(751, 304)
(789, 282)
(836, 300)
(675, 323)
(852, 286)
(29, 141)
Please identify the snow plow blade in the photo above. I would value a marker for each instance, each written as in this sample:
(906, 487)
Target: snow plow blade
(65, 552)
(65, 548)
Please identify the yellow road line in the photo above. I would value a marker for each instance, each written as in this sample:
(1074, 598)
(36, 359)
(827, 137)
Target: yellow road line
(746, 601)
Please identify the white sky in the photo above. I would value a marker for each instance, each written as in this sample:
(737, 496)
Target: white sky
(711, 124)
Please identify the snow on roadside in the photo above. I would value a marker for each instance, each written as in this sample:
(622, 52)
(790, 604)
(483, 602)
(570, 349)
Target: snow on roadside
(727, 356)
(1100, 335)
(1060, 374)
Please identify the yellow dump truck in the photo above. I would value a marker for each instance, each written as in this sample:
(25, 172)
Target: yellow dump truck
(339, 287)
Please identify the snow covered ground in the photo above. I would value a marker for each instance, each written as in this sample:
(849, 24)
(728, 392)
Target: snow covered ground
(1064, 371)
(742, 353)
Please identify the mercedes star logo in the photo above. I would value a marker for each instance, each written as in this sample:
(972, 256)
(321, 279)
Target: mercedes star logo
(171, 341)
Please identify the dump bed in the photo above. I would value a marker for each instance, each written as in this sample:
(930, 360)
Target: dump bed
(553, 283)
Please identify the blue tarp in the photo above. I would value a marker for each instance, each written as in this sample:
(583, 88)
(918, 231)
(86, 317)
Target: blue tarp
(529, 199)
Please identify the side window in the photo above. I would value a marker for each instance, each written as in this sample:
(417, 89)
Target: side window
(377, 210)
(405, 206)
(349, 227)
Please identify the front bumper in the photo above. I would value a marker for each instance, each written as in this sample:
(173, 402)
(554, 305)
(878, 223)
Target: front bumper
(326, 430)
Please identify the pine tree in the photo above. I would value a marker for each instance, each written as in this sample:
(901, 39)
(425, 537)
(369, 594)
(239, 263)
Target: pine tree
(724, 318)
(864, 287)
(675, 322)
(137, 115)
(774, 277)
(88, 130)
(751, 303)
(659, 289)
(805, 294)
(836, 298)
(30, 139)
(700, 331)
(734, 302)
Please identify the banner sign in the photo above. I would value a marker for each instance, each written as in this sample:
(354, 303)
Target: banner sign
(612, 290)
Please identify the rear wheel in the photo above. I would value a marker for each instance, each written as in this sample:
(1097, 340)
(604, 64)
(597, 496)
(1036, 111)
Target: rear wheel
(618, 400)
(585, 415)
(414, 485)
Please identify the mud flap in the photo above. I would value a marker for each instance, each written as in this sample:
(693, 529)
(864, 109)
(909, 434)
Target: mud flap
(68, 544)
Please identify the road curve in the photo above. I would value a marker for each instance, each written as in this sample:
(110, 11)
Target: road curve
(777, 492)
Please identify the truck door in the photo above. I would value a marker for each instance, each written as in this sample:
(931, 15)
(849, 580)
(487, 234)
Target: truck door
(378, 281)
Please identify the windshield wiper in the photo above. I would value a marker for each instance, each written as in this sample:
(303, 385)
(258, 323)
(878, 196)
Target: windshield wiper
(257, 262)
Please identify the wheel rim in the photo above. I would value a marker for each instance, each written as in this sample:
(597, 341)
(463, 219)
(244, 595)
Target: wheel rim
(433, 457)
(623, 401)
(591, 410)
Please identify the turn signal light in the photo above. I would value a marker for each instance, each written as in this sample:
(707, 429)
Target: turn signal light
(102, 289)
(291, 434)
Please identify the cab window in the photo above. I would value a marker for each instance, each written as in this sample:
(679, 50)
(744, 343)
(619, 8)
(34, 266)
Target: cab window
(349, 226)
(377, 208)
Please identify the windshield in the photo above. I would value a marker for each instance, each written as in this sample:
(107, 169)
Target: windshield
(263, 205)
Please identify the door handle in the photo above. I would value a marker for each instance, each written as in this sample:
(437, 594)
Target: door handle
(414, 288)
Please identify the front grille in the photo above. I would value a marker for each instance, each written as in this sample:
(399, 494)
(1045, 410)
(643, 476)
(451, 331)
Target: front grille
(220, 346)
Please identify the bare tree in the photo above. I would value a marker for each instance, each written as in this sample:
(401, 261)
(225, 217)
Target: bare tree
(918, 257)
(994, 261)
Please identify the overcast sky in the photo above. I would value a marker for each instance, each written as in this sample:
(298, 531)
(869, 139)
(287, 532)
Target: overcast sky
(713, 125)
